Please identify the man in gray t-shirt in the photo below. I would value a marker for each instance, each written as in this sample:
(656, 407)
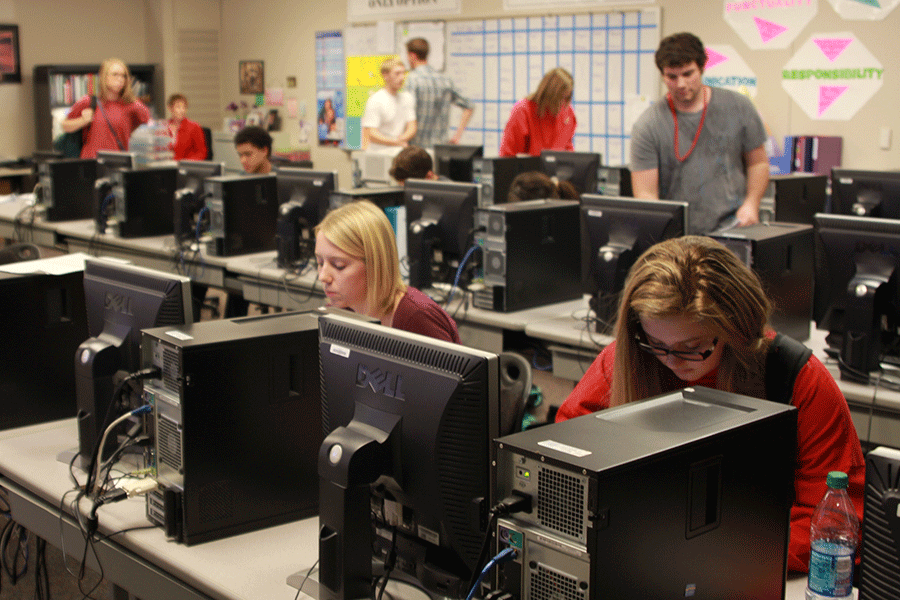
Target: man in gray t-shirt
(718, 164)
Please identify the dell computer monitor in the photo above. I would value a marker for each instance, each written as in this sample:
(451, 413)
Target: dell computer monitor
(578, 168)
(405, 465)
(615, 231)
(440, 217)
(109, 162)
(857, 297)
(190, 198)
(455, 161)
(303, 197)
(865, 193)
(120, 300)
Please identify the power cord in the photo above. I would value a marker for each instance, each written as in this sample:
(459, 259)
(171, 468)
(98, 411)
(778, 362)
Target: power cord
(509, 505)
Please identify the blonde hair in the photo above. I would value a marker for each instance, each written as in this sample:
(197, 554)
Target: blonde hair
(699, 278)
(363, 231)
(390, 63)
(556, 85)
(127, 92)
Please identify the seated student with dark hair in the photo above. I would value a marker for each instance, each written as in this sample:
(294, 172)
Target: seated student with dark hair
(254, 147)
(535, 185)
(692, 313)
(412, 163)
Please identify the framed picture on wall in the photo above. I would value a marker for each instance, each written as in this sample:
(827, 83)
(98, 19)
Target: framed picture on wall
(10, 65)
(250, 73)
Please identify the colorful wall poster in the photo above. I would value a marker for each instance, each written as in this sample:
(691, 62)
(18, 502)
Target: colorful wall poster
(330, 82)
(363, 78)
(330, 111)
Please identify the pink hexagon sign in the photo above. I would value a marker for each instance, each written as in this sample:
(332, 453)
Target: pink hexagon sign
(725, 68)
(831, 76)
(765, 24)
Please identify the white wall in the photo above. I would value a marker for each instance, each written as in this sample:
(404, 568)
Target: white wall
(284, 39)
(89, 31)
(281, 32)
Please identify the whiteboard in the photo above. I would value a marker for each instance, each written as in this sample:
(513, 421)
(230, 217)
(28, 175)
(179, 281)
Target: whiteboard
(496, 62)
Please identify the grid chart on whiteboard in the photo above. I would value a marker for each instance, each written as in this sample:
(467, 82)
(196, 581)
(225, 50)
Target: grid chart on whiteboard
(497, 62)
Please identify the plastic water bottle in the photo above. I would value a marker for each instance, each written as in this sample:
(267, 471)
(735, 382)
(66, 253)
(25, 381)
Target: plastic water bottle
(833, 537)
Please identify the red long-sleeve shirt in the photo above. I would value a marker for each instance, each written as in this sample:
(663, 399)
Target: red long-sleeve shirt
(527, 133)
(189, 141)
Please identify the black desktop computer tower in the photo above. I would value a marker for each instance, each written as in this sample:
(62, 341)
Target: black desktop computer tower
(879, 575)
(532, 254)
(44, 320)
(686, 495)
(238, 424)
(67, 188)
(796, 197)
(782, 255)
(243, 211)
(496, 175)
(144, 201)
(614, 181)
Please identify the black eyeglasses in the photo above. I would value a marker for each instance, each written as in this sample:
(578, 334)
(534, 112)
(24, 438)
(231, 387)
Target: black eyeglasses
(691, 356)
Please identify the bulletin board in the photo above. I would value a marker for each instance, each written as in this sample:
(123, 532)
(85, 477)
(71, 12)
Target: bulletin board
(497, 62)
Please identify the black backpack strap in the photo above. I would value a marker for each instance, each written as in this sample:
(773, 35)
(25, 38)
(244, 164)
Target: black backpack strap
(111, 128)
(785, 359)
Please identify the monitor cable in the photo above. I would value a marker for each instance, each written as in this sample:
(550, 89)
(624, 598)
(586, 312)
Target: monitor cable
(509, 505)
(460, 269)
(96, 454)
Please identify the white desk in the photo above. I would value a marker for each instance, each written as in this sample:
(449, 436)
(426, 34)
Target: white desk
(246, 567)
(264, 282)
(251, 566)
(22, 222)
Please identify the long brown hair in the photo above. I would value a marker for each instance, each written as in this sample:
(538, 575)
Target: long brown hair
(554, 88)
(127, 92)
(697, 277)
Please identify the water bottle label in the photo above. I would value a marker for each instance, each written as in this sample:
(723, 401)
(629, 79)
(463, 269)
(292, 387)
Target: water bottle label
(831, 569)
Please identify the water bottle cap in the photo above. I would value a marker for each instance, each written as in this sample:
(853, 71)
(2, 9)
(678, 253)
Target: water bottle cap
(837, 480)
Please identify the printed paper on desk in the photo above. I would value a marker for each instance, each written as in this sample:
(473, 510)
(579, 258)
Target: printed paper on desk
(58, 265)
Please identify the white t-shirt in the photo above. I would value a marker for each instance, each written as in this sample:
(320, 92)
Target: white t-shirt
(389, 113)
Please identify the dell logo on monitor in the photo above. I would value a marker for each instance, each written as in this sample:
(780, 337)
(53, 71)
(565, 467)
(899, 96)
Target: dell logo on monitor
(381, 382)
(118, 303)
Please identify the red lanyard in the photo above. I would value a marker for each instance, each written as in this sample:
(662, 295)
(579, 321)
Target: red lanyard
(699, 127)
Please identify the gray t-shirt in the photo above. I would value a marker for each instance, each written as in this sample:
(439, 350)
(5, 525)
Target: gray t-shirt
(713, 179)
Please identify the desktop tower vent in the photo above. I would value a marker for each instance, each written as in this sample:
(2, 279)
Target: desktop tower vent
(561, 502)
(428, 357)
(168, 435)
(171, 369)
(547, 584)
(880, 571)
